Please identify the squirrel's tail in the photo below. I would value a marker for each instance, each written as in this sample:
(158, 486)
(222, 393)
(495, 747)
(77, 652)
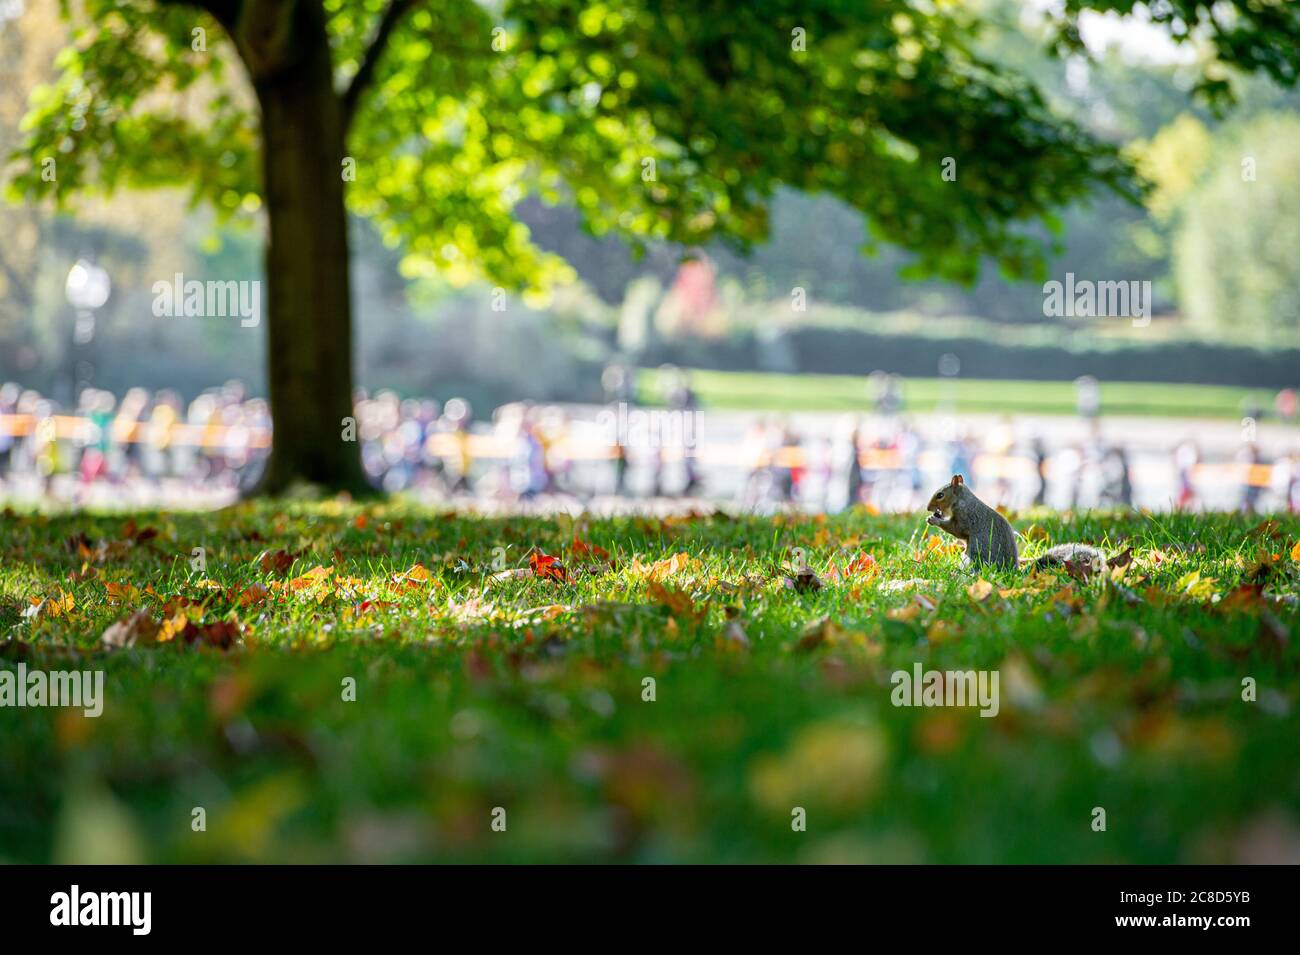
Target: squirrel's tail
(1075, 554)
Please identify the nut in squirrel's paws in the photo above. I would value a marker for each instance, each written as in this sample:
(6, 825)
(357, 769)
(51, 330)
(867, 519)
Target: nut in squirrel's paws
(935, 518)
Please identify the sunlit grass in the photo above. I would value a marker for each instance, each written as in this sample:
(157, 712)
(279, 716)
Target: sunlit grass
(480, 684)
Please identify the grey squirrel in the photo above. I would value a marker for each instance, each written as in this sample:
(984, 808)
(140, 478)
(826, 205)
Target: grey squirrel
(988, 535)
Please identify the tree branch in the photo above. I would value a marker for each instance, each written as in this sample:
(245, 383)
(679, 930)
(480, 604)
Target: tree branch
(366, 73)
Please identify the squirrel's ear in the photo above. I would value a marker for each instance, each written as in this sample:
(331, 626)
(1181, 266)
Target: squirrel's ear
(956, 479)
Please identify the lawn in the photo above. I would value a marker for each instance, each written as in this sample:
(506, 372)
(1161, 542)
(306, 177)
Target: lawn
(488, 677)
(760, 391)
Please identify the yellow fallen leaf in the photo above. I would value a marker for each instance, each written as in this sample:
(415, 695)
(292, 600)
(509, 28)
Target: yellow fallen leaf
(170, 628)
(314, 576)
(669, 566)
(980, 590)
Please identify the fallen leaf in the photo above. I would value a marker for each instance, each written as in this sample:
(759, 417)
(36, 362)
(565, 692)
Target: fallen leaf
(277, 562)
(668, 567)
(678, 602)
(547, 567)
(121, 593)
(253, 594)
(583, 550)
(980, 590)
(139, 629)
(314, 576)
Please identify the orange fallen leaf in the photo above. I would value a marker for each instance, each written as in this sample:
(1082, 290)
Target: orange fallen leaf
(253, 594)
(581, 549)
(412, 578)
(121, 593)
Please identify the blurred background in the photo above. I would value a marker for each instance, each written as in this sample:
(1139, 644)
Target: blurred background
(807, 374)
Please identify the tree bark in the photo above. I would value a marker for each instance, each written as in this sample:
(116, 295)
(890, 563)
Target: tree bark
(308, 301)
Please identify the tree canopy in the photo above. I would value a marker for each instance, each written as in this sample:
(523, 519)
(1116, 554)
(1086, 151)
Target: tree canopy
(656, 120)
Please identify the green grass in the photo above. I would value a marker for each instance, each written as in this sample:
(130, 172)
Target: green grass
(760, 391)
(527, 693)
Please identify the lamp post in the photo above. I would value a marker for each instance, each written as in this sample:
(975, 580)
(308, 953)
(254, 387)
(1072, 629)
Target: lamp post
(87, 288)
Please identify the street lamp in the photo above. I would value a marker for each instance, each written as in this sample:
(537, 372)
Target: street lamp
(87, 288)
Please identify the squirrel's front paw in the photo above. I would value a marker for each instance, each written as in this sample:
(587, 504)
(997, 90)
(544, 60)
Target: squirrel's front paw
(936, 518)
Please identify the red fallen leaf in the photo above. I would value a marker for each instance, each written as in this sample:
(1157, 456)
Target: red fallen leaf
(1245, 597)
(582, 549)
(864, 564)
(547, 567)
(360, 522)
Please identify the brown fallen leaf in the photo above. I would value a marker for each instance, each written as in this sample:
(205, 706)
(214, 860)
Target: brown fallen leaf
(678, 602)
(221, 634)
(276, 561)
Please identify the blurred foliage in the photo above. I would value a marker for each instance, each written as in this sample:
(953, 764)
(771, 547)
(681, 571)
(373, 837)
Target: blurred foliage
(1235, 244)
(465, 114)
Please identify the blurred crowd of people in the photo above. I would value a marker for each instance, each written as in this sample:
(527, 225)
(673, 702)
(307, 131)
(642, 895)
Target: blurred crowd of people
(158, 447)
(217, 440)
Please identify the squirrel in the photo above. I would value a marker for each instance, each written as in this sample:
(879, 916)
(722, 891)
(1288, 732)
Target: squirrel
(988, 535)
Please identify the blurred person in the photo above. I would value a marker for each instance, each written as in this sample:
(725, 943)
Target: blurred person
(854, 482)
(1087, 397)
(1038, 453)
(1117, 486)
(1251, 484)
(1187, 456)
(1285, 405)
(9, 393)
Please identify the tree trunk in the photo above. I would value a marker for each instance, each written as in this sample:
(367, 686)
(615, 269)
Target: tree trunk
(308, 300)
